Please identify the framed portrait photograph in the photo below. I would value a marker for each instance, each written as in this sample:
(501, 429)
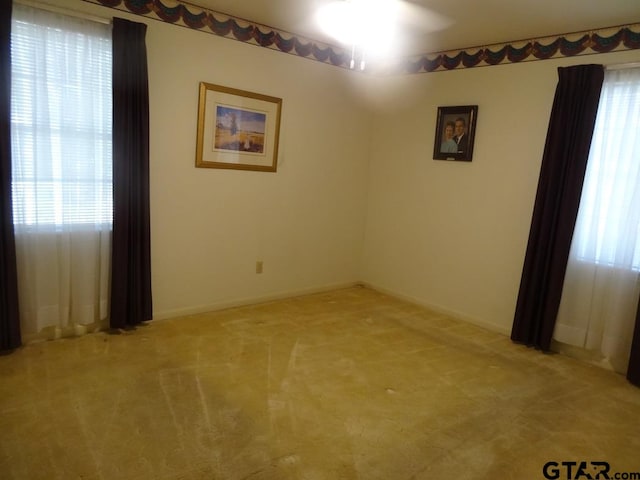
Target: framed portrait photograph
(237, 129)
(455, 133)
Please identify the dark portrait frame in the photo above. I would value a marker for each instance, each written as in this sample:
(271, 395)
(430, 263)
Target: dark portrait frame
(456, 152)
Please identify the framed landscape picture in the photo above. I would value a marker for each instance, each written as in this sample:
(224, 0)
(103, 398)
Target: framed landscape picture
(455, 133)
(237, 129)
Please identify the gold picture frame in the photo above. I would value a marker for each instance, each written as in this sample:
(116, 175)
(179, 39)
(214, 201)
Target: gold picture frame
(237, 129)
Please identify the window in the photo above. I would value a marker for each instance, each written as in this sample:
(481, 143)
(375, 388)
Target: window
(607, 230)
(61, 120)
(600, 292)
(61, 154)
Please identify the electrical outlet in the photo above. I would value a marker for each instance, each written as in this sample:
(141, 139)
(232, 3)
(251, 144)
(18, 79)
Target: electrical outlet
(259, 266)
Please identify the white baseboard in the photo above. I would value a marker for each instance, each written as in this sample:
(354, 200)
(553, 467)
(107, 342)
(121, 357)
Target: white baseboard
(240, 302)
(440, 309)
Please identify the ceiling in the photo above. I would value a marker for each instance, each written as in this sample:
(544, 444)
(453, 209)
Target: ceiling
(441, 25)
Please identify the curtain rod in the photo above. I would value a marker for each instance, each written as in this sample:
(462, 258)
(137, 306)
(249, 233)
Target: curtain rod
(622, 66)
(64, 11)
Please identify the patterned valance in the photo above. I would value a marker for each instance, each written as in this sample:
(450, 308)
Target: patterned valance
(625, 37)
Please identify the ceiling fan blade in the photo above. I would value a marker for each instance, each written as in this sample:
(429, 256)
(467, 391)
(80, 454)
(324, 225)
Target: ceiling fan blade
(421, 18)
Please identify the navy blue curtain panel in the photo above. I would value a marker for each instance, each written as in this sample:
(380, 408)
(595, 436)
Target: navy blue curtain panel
(564, 164)
(633, 371)
(131, 302)
(9, 311)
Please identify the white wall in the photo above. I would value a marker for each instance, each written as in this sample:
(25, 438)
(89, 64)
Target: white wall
(452, 235)
(210, 226)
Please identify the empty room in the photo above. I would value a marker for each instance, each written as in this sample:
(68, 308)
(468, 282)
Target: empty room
(317, 239)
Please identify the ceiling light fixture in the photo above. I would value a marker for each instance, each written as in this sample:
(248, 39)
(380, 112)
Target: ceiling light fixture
(367, 26)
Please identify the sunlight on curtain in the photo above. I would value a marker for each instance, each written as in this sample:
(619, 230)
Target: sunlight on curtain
(61, 129)
(601, 286)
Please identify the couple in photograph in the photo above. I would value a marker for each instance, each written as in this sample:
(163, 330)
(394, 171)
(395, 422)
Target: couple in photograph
(454, 137)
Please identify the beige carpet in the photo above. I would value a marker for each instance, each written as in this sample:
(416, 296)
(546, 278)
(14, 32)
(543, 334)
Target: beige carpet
(350, 384)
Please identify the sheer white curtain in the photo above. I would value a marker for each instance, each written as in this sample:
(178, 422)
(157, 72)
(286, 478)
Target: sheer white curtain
(601, 287)
(61, 132)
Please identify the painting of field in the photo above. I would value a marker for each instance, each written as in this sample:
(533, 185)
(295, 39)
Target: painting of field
(239, 130)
